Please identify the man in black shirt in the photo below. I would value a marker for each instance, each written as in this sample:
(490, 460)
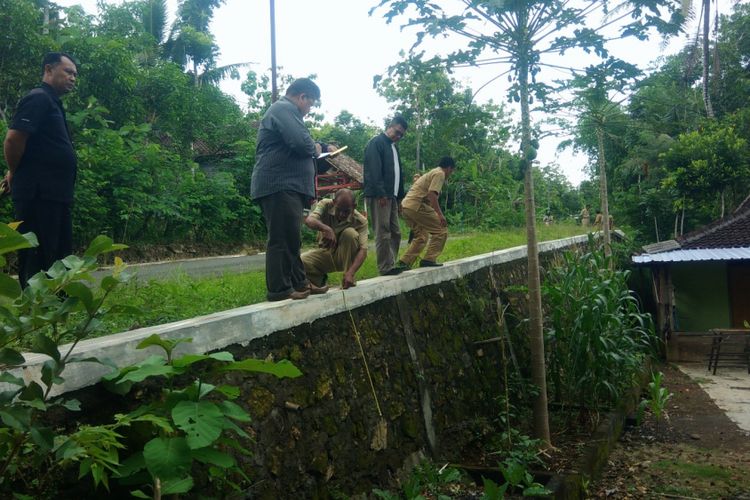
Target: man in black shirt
(42, 167)
(384, 189)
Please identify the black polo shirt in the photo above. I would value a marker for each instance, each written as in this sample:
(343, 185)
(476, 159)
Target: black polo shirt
(48, 166)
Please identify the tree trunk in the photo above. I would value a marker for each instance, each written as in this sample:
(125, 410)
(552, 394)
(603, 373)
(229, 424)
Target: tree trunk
(419, 136)
(706, 30)
(536, 336)
(603, 189)
(656, 228)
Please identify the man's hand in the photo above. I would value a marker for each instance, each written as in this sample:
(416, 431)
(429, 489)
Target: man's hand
(318, 149)
(329, 238)
(5, 185)
(382, 202)
(348, 280)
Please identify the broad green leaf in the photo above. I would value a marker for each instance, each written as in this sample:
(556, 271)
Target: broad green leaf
(45, 345)
(167, 458)
(281, 369)
(231, 426)
(234, 411)
(131, 465)
(31, 391)
(102, 244)
(50, 371)
(8, 396)
(536, 490)
(9, 287)
(11, 357)
(7, 378)
(175, 486)
(72, 404)
(189, 359)
(16, 417)
(143, 372)
(83, 293)
(213, 456)
(11, 240)
(230, 391)
(202, 421)
(140, 494)
(44, 437)
(167, 344)
(162, 424)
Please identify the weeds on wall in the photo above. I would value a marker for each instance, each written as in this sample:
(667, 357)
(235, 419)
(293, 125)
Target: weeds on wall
(596, 335)
(157, 449)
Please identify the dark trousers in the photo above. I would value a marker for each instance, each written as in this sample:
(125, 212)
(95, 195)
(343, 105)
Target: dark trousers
(52, 224)
(285, 272)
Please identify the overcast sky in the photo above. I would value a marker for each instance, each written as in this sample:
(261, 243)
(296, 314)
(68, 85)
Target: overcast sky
(338, 41)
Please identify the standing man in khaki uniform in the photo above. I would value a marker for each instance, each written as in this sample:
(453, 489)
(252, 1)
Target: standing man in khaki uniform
(342, 237)
(585, 216)
(422, 213)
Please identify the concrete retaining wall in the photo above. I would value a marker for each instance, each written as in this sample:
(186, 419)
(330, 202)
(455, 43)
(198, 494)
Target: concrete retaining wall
(435, 381)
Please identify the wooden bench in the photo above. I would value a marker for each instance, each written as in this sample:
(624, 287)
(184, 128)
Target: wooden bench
(731, 346)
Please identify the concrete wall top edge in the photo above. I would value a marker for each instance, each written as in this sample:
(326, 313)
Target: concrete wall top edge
(243, 324)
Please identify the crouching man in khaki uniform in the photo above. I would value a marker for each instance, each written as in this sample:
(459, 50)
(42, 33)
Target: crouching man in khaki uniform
(342, 238)
(422, 213)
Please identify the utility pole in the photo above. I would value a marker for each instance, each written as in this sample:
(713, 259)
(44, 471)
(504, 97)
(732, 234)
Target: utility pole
(274, 88)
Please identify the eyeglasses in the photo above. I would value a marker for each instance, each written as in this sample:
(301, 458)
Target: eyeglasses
(314, 102)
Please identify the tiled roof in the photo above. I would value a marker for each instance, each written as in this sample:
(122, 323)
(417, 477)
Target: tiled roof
(731, 232)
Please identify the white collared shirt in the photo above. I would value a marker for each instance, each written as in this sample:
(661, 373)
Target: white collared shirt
(396, 171)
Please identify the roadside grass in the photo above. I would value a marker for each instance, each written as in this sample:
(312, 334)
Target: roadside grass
(181, 297)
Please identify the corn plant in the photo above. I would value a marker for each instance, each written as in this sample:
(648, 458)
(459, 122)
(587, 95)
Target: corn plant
(516, 477)
(597, 337)
(657, 402)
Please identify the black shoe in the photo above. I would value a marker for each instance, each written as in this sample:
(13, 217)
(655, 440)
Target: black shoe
(399, 268)
(429, 263)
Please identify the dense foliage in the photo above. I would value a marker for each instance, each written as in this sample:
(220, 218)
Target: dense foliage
(597, 336)
(165, 156)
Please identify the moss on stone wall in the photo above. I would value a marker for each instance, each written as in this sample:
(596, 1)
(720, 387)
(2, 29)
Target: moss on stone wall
(314, 435)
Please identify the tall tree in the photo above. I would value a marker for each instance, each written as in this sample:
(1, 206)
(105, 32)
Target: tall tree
(522, 32)
(601, 119)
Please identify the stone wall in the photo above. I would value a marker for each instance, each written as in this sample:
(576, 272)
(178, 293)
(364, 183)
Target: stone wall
(427, 338)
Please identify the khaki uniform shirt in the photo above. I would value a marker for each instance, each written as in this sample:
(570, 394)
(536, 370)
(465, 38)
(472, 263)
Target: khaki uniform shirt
(431, 181)
(325, 212)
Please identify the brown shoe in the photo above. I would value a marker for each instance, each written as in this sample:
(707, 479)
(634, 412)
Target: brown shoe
(317, 290)
(298, 295)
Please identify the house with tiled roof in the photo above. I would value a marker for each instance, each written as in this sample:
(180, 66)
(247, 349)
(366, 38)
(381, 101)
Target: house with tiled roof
(701, 281)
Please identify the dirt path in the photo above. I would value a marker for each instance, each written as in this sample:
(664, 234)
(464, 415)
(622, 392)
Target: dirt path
(697, 452)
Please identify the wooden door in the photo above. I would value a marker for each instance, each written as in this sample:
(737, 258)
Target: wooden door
(738, 280)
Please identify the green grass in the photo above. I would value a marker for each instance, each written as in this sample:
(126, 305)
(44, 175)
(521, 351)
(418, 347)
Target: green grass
(181, 297)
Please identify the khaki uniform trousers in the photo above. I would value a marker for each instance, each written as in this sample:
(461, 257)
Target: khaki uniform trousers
(321, 261)
(425, 225)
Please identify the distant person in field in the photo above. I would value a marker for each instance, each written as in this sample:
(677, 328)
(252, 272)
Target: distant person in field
(342, 240)
(283, 184)
(384, 188)
(422, 213)
(585, 216)
(600, 218)
(42, 167)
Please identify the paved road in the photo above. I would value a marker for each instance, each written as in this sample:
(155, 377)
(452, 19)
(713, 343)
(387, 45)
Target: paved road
(203, 267)
(197, 268)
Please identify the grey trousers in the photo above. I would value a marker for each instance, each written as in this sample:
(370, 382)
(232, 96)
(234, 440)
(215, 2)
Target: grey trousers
(384, 222)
